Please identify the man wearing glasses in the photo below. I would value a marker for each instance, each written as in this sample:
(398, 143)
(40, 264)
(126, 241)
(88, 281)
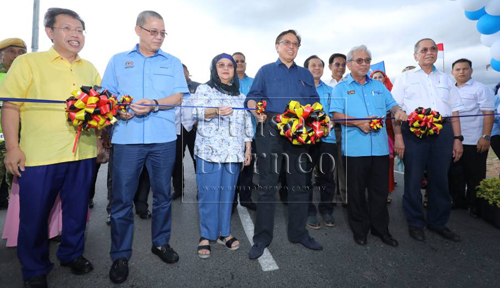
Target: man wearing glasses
(428, 88)
(245, 180)
(336, 63)
(43, 160)
(144, 135)
(278, 83)
(365, 152)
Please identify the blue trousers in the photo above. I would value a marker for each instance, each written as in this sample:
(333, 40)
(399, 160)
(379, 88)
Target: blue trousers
(38, 189)
(432, 154)
(128, 162)
(216, 185)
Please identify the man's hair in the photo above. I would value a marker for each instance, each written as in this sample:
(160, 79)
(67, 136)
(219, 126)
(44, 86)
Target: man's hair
(415, 49)
(239, 53)
(356, 49)
(336, 55)
(184, 66)
(50, 16)
(461, 60)
(144, 15)
(291, 31)
(306, 63)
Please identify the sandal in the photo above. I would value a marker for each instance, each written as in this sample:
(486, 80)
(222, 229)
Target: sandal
(204, 247)
(228, 243)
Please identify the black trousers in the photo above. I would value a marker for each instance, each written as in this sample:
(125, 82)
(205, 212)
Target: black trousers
(431, 154)
(465, 175)
(272, 148)
(367, 174)
(325, 159)
(142, 193)
(185, 139)
(245, 184)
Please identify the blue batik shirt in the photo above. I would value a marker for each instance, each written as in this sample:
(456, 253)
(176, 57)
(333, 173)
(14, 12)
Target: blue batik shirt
(325, 98)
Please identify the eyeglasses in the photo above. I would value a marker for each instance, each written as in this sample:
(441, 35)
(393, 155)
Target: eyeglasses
(229, 66)
(239, 61)
(68, 30)
(425, 49)
(337, 64)
(289, 43)
(154, 32)
(361, 60)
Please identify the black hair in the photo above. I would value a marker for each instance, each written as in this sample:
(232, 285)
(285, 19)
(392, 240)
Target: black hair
(51, 14)
(291, 31)
(335, 55)
(461, 60)
(306, 63)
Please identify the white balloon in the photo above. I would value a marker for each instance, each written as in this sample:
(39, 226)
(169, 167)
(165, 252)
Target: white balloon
(493, 7)
(488, 40)
(474, 5)
(495, 50)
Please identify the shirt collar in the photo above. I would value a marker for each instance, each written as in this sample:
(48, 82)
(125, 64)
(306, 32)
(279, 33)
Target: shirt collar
(470, 82)
(321, 83)
(349, 79)
(159, 52)
(434, 69)
(53, 54)
(278, 62)
(244, 77)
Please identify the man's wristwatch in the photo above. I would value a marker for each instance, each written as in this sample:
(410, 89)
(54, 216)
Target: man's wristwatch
(459, 137)
(157, 107)
(486, 137)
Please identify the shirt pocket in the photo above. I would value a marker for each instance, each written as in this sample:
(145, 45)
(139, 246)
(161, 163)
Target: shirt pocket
(163, 80)
(413, 90)
(443, 91)
(469, 100)
(306, 88)
(379, 100)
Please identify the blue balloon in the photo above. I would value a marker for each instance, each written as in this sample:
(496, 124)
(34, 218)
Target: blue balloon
(475, 15)
(488, 24)
(495, 64)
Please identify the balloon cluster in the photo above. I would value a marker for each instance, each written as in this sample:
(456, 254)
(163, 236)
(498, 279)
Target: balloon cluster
(487, 14)
(376, 124)
(425, 122)
(261, 106)
(87, 109)
(303, 124)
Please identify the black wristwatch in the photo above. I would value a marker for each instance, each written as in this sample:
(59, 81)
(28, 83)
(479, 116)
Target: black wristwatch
(157, 107)
(459, 137)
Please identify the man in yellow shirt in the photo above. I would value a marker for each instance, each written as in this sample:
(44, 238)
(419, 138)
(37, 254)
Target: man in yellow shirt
(43, 160)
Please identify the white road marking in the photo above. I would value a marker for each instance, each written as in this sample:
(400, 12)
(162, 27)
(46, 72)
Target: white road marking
(266, 261)
(398, 172)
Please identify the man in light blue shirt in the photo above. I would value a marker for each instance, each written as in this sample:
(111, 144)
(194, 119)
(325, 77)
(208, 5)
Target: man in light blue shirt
(144, 135)
(324, 153)
(366, 152)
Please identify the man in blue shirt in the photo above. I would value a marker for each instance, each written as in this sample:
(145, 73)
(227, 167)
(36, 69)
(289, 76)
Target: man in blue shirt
(324, 153)
(366, 152)
(278, 83)
(145, 135)
(245, 183)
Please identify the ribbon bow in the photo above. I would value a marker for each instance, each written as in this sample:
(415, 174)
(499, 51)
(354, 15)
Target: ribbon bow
(425, 122)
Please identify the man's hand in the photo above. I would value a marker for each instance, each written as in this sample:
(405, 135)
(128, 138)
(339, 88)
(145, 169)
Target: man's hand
(259, 117)
(483, 145)
(399, 145)
(125, 115)
(458, 150)
(400, 116)
(248, 156)
(225, 110)
(139, 109)
(15, 160)
(364, 125)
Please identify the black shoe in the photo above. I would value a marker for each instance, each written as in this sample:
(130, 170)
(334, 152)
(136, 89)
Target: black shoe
(416, 233)
(446, 234)
(176, 194)
(310, 243)
(4, 205)
(360, 240)
(145, 215)
(249, 205)
(79, 266)
(387, 239)
(119, 271)
(166, 254)
(91, 203)
(56, 239)
(256, 251)
(36, 282)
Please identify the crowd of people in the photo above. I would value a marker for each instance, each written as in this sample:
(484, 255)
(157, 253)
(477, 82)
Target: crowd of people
(228, 139)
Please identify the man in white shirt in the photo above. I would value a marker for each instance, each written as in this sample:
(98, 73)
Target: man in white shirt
(427, 87)
(471, 168)
(336, 63)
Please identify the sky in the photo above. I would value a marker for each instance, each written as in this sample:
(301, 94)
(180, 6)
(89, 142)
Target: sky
(200, 29)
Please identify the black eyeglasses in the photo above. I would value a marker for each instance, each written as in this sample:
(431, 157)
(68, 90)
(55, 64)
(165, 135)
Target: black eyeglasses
(154, 32)
(361, 60)
(425, 49)
(337, 64)
(239, 61)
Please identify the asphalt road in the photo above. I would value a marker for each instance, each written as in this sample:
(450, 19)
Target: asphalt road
(475, 262)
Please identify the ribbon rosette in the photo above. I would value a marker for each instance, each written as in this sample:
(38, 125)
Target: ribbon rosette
(261, 106)
(303, 124)
(376, 124)
(425, 122)
(125, 101)
(88, 109)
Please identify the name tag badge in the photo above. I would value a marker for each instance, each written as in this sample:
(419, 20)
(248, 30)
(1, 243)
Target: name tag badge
(351, 92)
